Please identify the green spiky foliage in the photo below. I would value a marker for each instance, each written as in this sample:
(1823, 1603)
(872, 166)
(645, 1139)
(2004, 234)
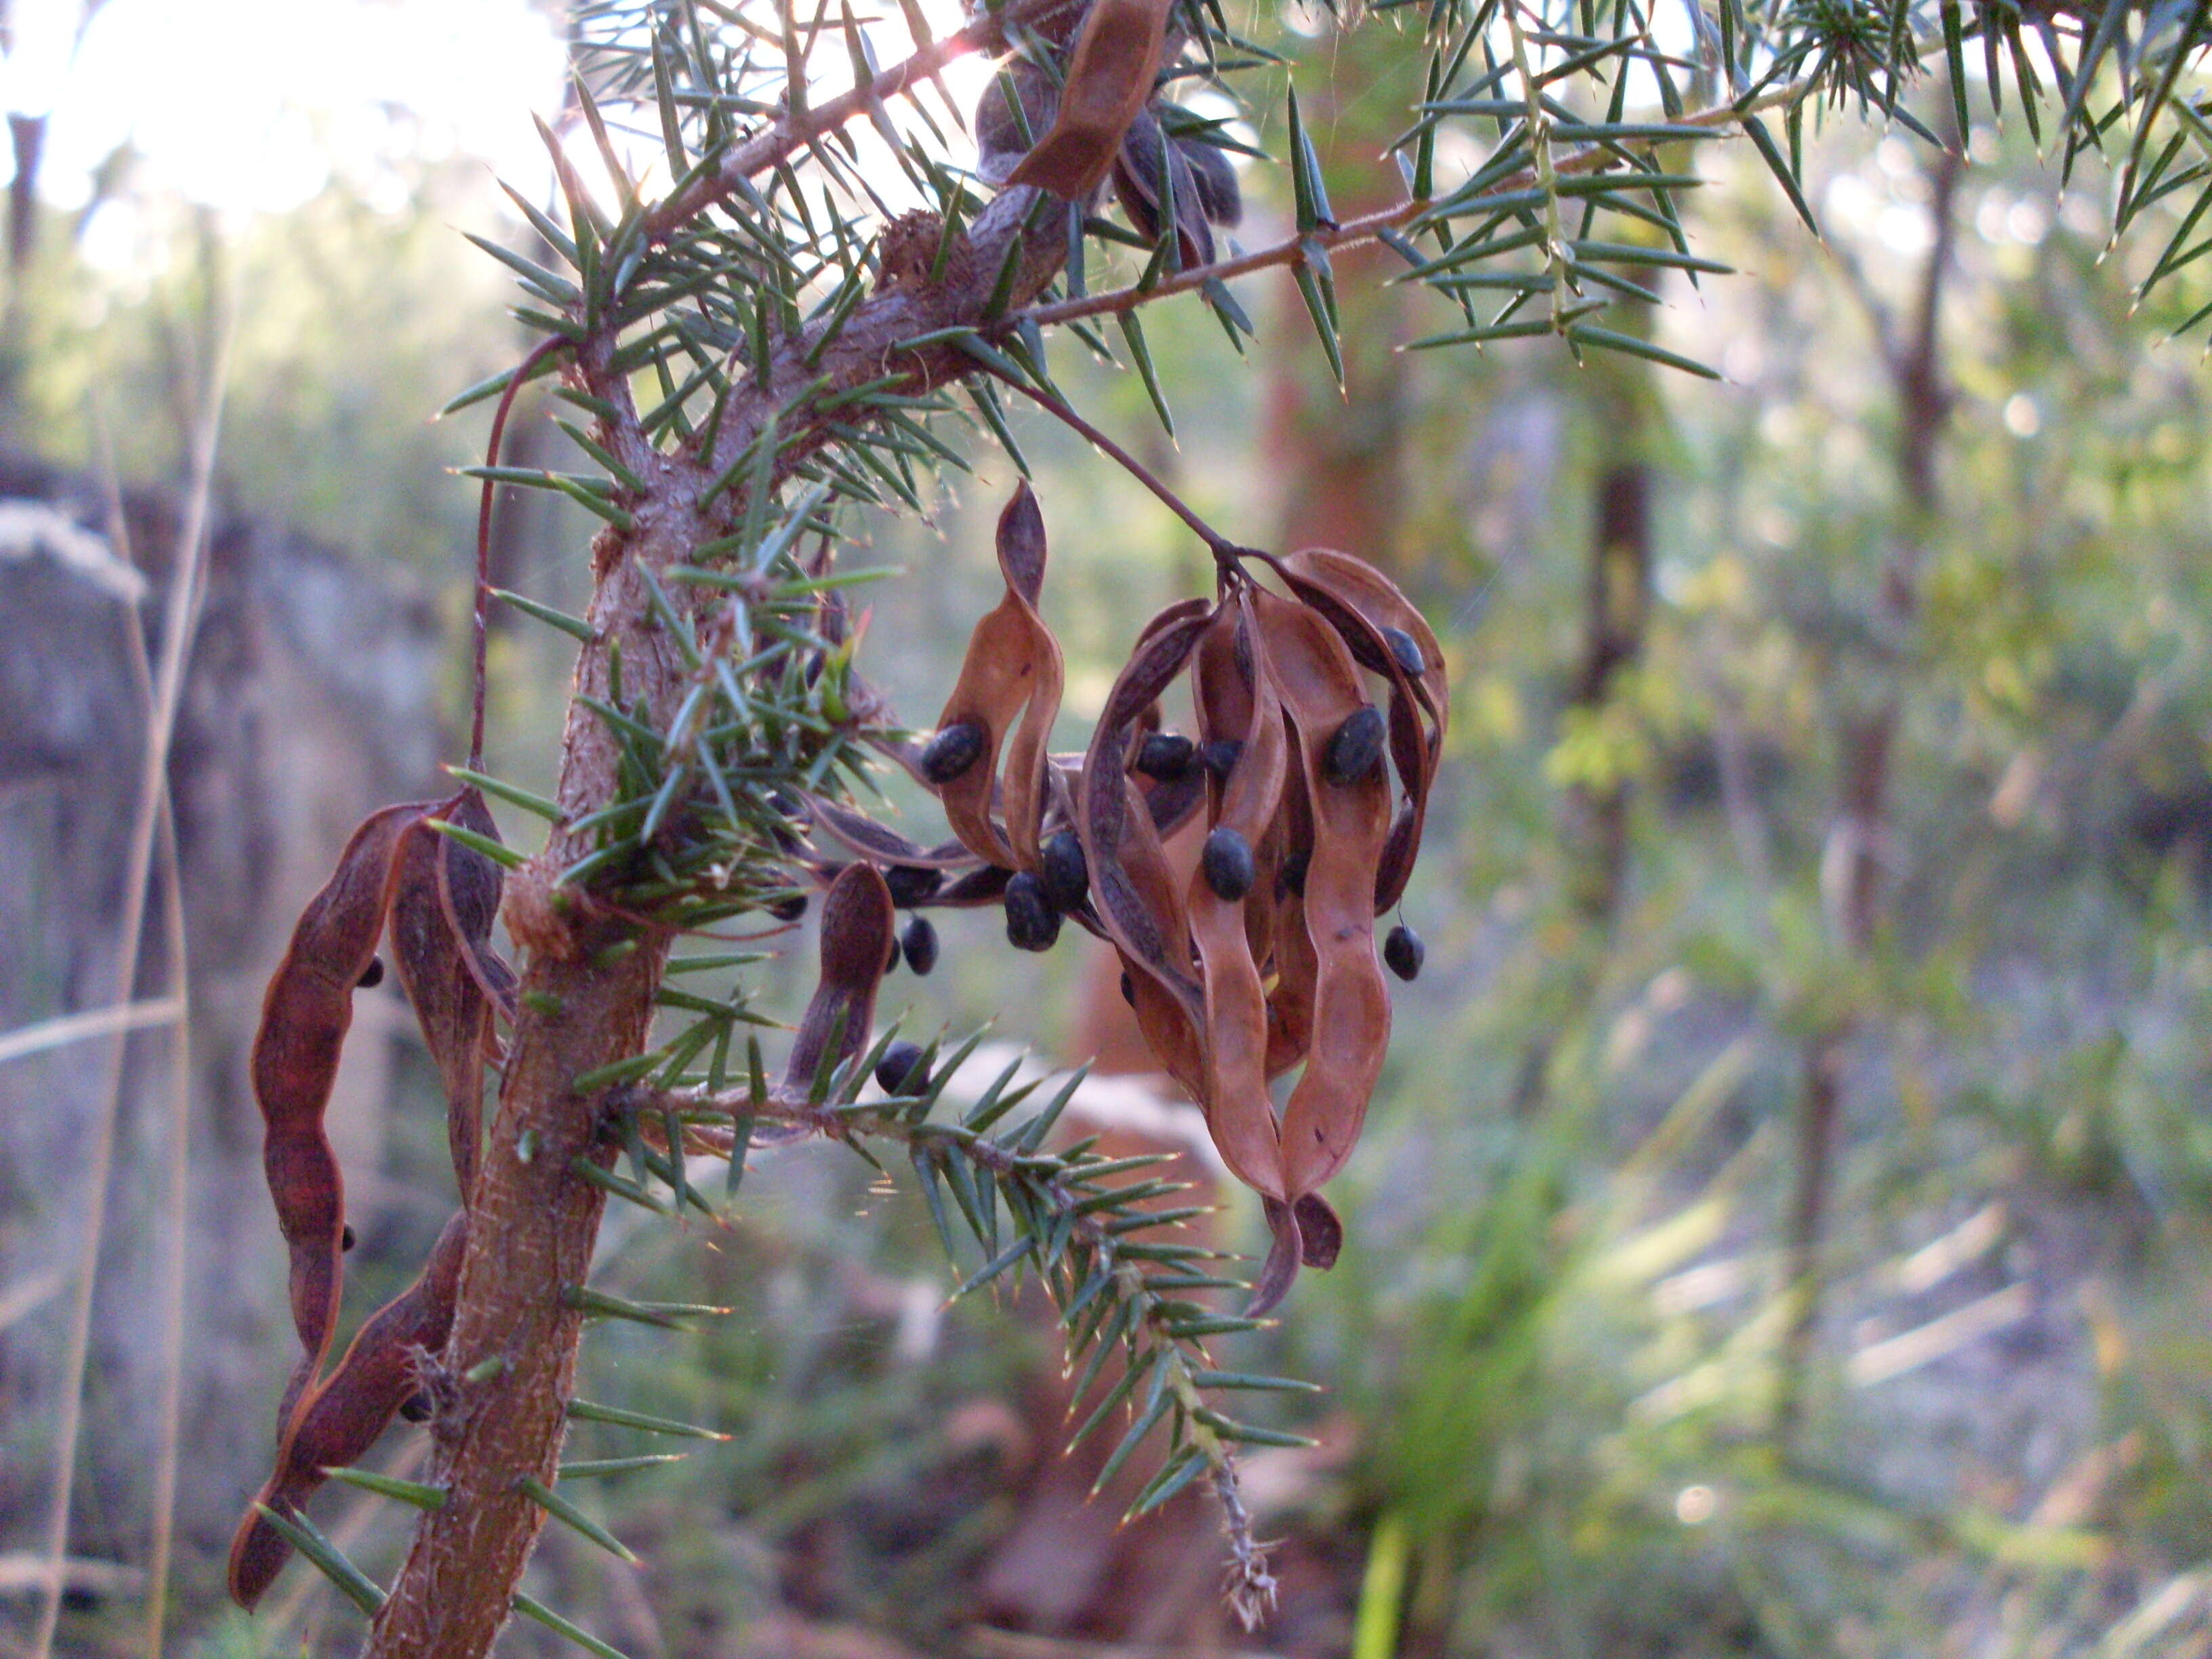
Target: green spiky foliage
(796, 298)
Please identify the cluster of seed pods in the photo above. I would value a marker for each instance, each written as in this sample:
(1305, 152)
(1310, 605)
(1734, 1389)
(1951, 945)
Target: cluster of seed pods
(1320, 719)
(436, 900)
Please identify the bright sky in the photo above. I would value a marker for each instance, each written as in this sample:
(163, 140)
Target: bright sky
(251, 105)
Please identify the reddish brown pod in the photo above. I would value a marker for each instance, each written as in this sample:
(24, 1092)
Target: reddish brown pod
(1006, 700)
(304, 1015)
(859, 926)
(1109, 81)
(438, 900)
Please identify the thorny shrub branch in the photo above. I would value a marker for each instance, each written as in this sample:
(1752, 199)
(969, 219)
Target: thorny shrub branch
(1370, 228)
(841, 398)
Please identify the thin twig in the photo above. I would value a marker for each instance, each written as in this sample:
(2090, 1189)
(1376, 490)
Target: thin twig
(480, 640)
(179, 621)
(65, 1029)
(1220, 545)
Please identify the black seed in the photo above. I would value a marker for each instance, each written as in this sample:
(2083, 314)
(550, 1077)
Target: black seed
(1227, 862)
(1357, 749)
(1403, 952)
(921, 944)
(891, 961)
(952, 752)
(911, 884)
(417, 1408)
(1165, 756)
(373, 976)
(1064, 871)
(788, 909)
(1220, 757)
(900, 1071)
(1128, 988)
(346, 1236)
(1405, 648)
(1032, 922)
(1291, 877)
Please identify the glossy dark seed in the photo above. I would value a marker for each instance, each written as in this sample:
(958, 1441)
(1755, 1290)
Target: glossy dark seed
(1064, 871)
(1291, 877)
(1165, 756)
(1227, 862)
(1128, 988)
(911, 884)
(1403, 954)
(789, 909)
(417, 1408)
(900, 1071)
(952, 752)
(891, 961)
(346, 1237)
(1220, 757)
(373, 976)
(1405, 648)
(1032, 922)
(1357, 749)
(921, 944)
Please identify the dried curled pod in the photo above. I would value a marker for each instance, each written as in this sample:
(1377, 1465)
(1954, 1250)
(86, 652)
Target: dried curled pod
(439, 899)
(304, 1015)
(1012, 672)
(337, 1423)
(1239, 1113)
(859, 931)
(1388, 636)
(443, 899)
(1133, 889)
(1108, 83)
(1311, 784)
(1321, 691)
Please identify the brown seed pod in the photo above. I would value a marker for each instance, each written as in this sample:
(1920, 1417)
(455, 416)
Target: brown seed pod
(1319, 687)
(1012, 669)
(1133, 889)
(336, 1425)
(858, 927)
(1150, 164)
(1306, 1234)
(880, 843)
(1239, 1113)
(1109, 81)
(1130, 882)
(1387, 634)
(443, 899)
(304, 1015)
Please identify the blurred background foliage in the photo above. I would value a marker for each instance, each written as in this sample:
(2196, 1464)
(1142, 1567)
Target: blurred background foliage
(1784, 1227)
